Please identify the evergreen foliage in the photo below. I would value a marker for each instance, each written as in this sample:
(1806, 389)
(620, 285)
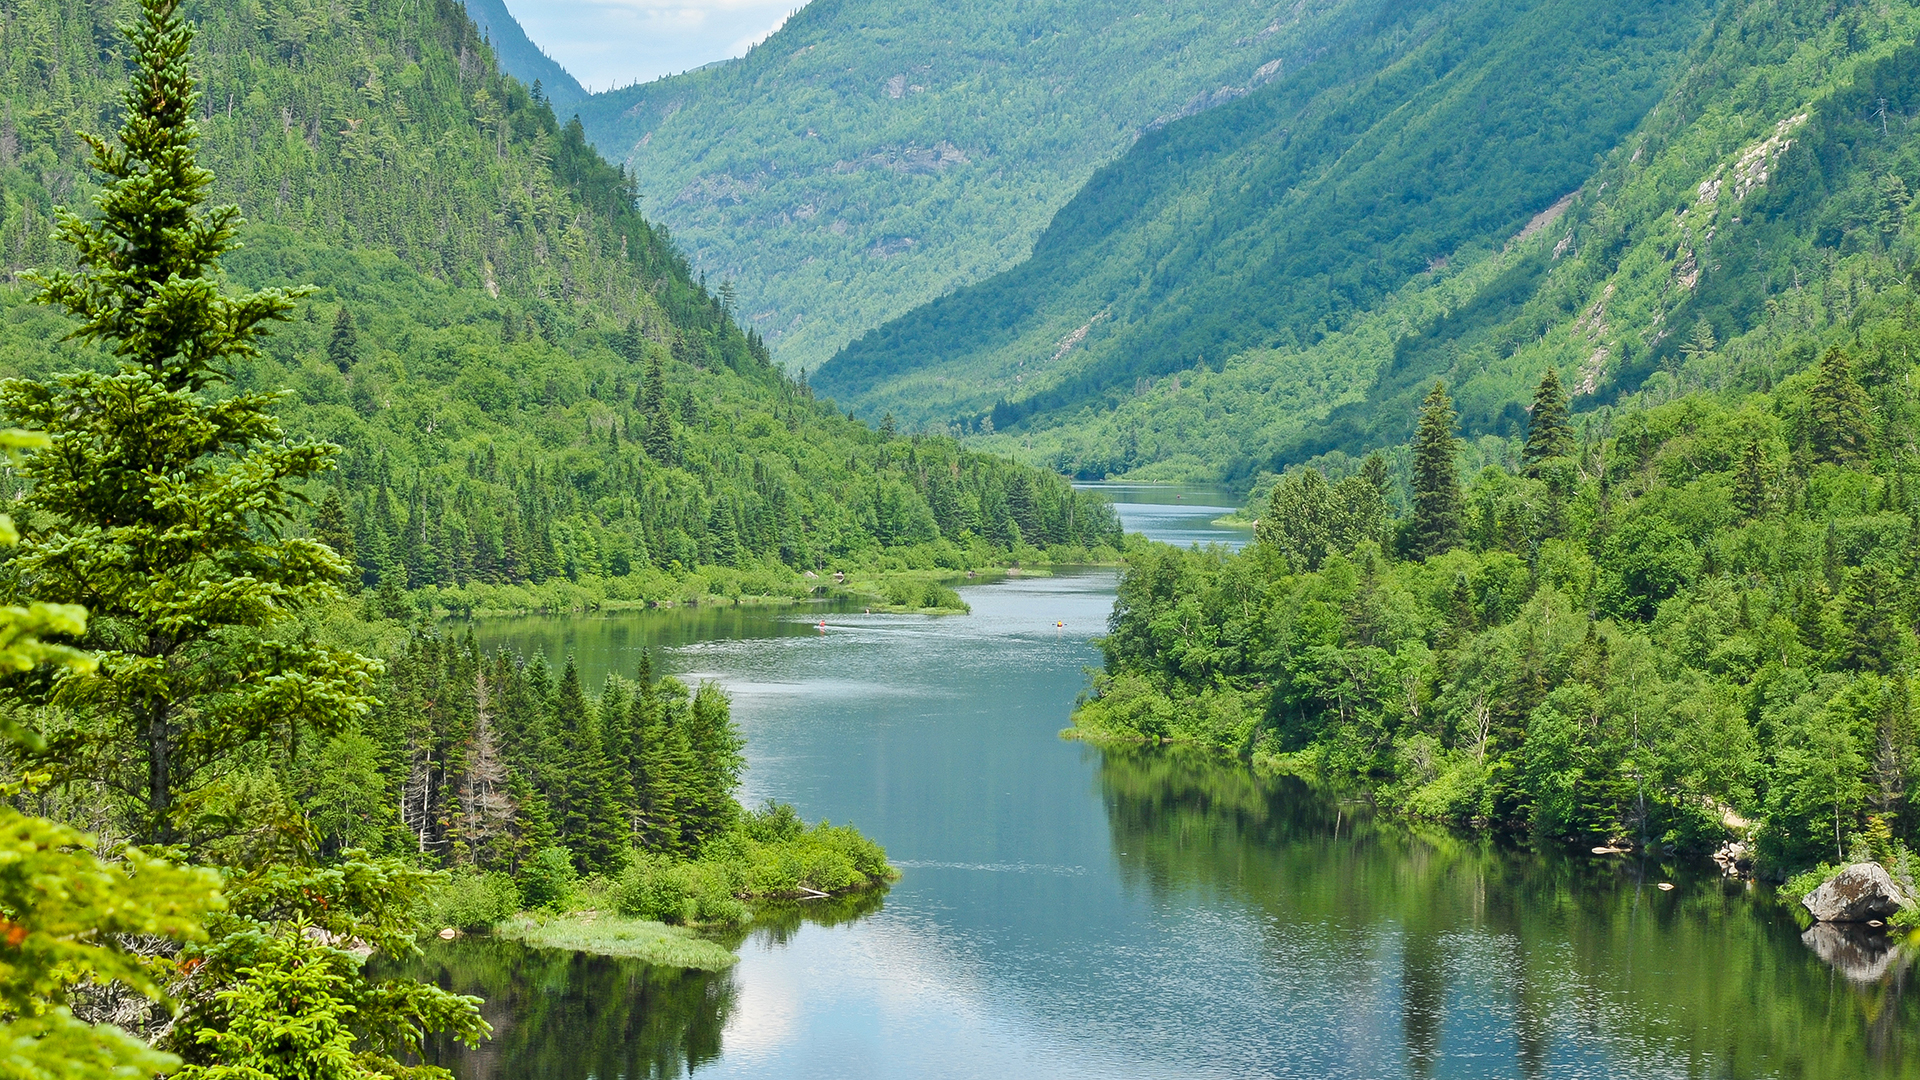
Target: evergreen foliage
(1549, 431)
(1836, 411)
(491, 761)
(1437, 501)
(157, 505)
(68, 912)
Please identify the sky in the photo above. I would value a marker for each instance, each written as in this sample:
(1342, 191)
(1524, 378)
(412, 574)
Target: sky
(607, 43)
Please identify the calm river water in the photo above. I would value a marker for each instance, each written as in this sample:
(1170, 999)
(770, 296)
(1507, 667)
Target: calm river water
(1069, 912)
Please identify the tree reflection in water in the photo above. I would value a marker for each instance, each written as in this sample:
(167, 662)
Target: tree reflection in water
(1710, 979)
(570, 1016)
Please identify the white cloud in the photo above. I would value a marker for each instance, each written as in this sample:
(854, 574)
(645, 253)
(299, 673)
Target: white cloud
(608, 43)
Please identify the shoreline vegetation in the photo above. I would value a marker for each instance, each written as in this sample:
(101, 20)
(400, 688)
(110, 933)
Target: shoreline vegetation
(1685, 625)
(913, 588)
(655, 905)
(602, 934)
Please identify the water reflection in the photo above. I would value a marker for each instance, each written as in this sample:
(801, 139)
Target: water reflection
(1378, 950)
(1559, 964)
(568, 1016)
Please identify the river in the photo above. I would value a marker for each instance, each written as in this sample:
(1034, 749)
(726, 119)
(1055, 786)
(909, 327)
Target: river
(1072, 912)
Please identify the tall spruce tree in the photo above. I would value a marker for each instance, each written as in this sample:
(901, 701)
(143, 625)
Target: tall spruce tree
(1549, 431)
(68, 908)
(1750, 483)
(583, 803)
(1837, 411)
(658, 440)
(1437, 500)
(343, 345)
(159, 505)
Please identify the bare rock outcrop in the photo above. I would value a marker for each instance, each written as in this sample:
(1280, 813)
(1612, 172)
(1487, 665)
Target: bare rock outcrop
(1858, 893)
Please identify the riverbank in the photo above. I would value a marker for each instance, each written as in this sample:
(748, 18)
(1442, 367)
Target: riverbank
(910, 582)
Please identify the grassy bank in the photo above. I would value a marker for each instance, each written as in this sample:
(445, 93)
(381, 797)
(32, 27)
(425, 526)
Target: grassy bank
(605, 934)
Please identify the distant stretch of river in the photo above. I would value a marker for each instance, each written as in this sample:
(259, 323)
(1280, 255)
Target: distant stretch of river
(1069, 912)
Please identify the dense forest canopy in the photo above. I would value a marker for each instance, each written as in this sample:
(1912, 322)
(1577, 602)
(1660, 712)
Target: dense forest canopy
(1687, 622)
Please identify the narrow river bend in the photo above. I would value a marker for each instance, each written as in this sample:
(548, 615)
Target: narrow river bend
(1069, 912)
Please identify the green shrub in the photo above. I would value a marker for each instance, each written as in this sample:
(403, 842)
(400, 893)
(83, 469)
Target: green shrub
(939, 596)
(772, 823)
(664, 890)
(469, 900)
(547, 878)
(1799, 886)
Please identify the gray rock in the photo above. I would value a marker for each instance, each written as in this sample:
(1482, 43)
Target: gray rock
(1862, 955)
(1857, 893)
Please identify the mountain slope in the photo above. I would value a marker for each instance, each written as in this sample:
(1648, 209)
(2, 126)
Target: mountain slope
(1766, 192)
(519, 57)
(1278, 219)
(871, 156)
(527, 382)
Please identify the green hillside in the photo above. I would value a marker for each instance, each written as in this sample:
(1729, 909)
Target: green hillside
(1280, 219)
(529, 384)
(1758, 193)
(871, 156)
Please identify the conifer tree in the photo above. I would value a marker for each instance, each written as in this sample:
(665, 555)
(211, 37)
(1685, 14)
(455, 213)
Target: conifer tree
(717, 752)
(1837, 411)
(1437, 501)
(66, 906)
(1750, 483)
(583, 806)
(1549, 431)
(658, 441)
(158, 505)
(486, 800)
(343, 345)
(630, 342)
(331, 527)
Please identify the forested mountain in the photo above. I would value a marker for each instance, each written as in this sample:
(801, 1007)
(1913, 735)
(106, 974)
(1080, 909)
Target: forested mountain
(520, 57)
(528, 381)
(1413, 150)
(1741, 198)
(870, 156)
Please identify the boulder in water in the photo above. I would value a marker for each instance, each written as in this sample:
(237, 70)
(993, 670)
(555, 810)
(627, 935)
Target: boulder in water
(1857, 893)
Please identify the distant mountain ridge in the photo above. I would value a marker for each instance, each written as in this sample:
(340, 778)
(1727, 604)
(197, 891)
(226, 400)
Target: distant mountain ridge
(871, 156)
(519, 57)
(1156, 334)
(1274, 220)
